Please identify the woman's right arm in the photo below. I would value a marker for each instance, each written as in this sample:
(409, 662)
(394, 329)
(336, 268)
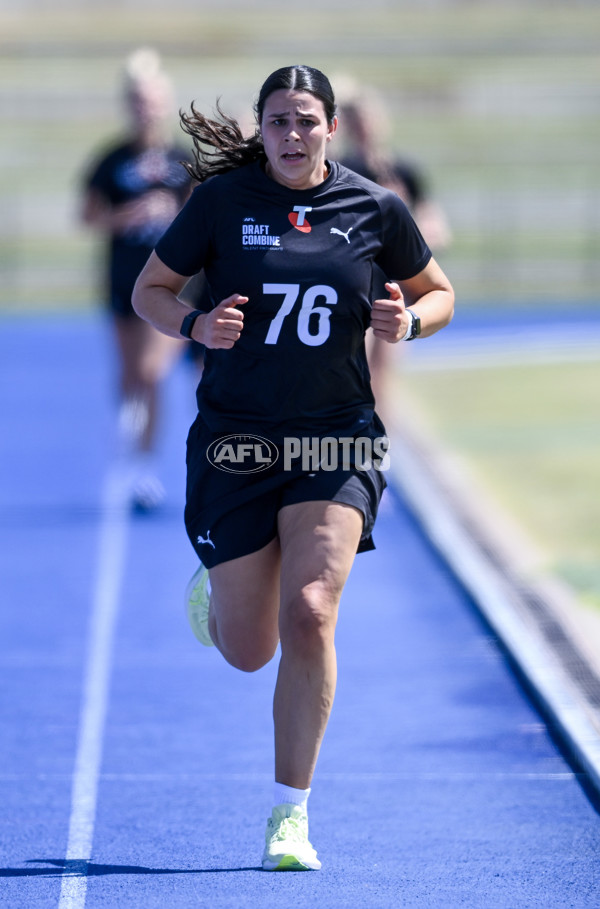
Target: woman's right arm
(156, 299)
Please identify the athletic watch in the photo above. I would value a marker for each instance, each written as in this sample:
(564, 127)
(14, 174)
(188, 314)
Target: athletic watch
(188, 323)
(414, 329)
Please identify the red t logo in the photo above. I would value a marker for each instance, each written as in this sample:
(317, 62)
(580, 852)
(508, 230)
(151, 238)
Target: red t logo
(297, 217)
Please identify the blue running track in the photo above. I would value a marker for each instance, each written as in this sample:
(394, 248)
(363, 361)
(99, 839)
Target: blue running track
(136, 766)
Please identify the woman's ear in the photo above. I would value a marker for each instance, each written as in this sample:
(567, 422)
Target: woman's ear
(332, 129)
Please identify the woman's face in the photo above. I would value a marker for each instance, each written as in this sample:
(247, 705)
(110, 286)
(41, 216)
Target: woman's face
(149, 105)
(295, 134)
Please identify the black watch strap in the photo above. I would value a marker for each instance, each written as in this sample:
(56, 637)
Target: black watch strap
(188, 323)
(415, 328)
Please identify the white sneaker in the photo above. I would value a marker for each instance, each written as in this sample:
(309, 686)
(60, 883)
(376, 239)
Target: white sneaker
(286, 841)
(148, 493)
(197, 600)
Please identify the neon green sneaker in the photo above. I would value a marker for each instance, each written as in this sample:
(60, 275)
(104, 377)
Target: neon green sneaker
(286, 841)
(197, 599)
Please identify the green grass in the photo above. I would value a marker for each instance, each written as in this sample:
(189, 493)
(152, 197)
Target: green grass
(531, 434)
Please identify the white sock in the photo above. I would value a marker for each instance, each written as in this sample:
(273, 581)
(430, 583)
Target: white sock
(133, 418)
(289, 794)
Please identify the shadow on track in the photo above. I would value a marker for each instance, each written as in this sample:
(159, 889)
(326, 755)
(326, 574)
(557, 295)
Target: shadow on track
(64, 868)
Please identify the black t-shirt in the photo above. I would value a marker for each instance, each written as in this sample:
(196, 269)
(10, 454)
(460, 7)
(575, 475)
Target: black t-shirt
(126, 172)
(404, 173)
(309, 261)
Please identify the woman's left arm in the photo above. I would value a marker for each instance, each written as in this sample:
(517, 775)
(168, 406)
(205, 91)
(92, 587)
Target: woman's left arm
(429, 295)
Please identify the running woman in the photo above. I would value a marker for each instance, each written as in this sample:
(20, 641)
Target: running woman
(132, 192)
(365, 133)
(289, 243)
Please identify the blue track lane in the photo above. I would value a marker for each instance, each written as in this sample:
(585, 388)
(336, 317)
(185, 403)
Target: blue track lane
(438, 784)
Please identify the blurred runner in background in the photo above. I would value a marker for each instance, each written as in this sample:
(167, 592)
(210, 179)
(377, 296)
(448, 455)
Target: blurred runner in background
(131, 192)
(363, 144)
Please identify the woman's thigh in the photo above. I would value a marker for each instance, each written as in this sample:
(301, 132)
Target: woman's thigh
(318, 542)
(146, 354)
(307, 565)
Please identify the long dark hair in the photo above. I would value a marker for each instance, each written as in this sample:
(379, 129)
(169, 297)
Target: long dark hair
(219, 144)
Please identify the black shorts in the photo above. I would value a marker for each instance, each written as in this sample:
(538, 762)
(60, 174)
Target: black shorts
(229, 515)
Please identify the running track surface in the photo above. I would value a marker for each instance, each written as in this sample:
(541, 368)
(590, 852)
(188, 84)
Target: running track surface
(136, 766)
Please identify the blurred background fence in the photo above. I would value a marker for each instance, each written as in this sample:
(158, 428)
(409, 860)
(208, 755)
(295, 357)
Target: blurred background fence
(499, 103)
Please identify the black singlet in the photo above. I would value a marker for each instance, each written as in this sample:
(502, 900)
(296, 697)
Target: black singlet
(123, 174)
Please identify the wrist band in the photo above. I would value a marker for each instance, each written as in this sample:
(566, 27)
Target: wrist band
(411, 319)
(188, 323)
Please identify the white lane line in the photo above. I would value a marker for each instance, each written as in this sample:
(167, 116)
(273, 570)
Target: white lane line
(491, 352)
(109, 573)
(352, 776)
(345, 777)
(463, 359)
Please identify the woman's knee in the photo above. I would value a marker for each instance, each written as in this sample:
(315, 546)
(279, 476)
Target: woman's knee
(309, 617)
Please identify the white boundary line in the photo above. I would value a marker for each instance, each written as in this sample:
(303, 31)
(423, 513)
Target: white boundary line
(493, 598)
(346, 777)
(497, 347)
(112, 545)
(492, 357)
